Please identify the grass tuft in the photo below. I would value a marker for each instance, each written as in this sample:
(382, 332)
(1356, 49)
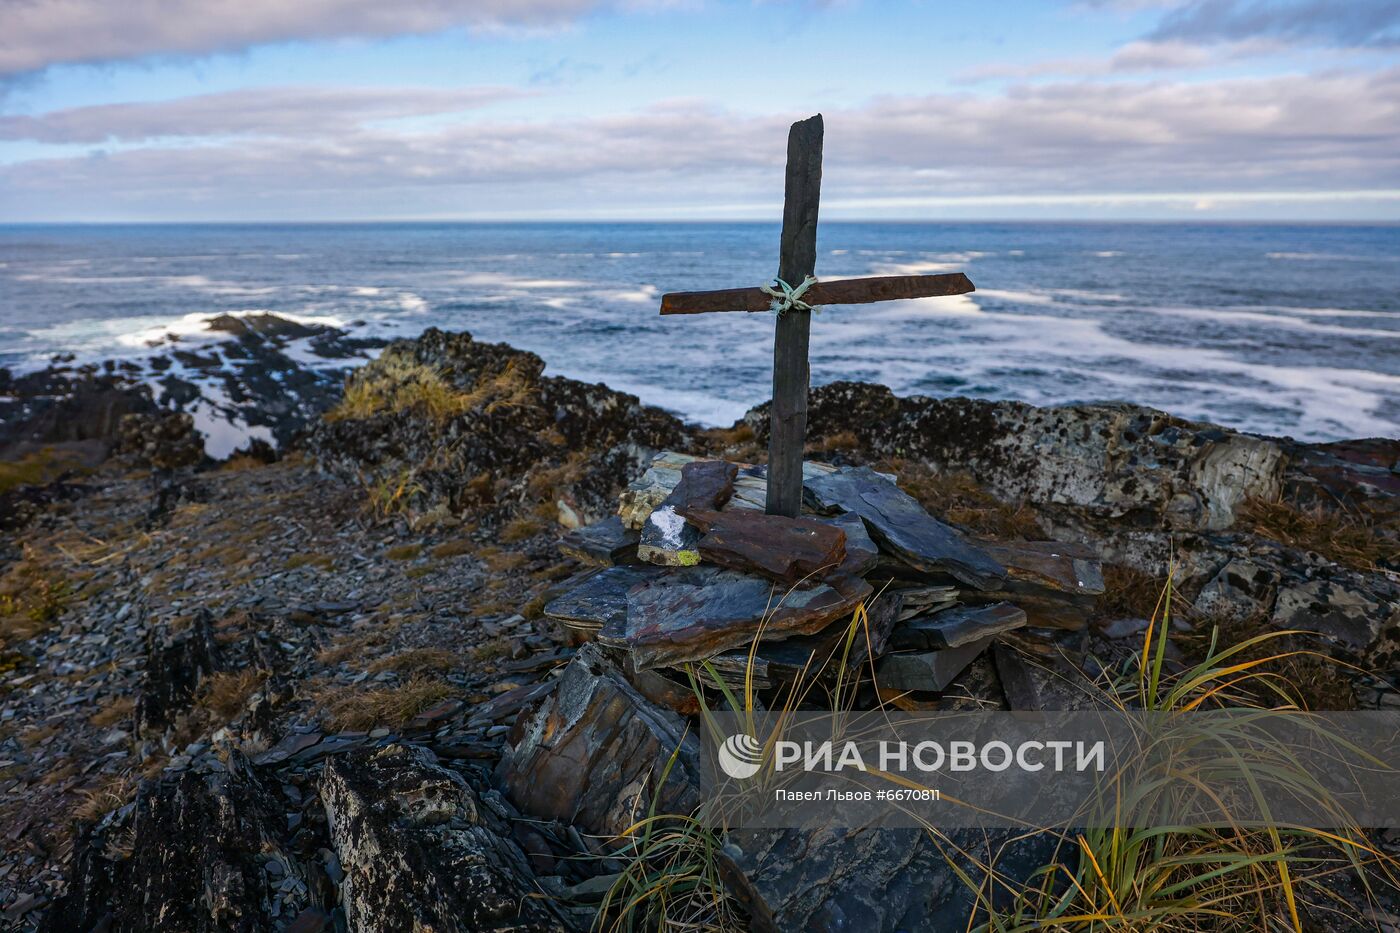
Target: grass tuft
(38, 468)
(396, 382)
(452, 549)
(97, 802)
(1129, 593)
(32, 596)
(417, 660)
(1341, 535)
(359, 709)
(391, 495)
(226, 693)
(520, 529)
(1138, 874)
(958, 498)
(320, 561)
(117, 711)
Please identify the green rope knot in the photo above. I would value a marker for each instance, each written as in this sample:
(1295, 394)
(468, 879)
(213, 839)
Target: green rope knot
(785, 297)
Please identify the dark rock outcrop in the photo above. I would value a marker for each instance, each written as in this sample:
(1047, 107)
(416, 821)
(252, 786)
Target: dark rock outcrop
(510, 438)
(419, 850)
(62, 405)
(175, 665)
(593, 752)
(160, 440)
(199, 850)
(1150, 491)
(1118, 462)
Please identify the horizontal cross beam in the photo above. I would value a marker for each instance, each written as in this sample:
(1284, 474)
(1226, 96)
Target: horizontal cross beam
(834, 292)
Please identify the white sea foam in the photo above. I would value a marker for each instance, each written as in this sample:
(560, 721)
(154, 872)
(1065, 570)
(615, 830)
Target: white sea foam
(1085, 294)
(1329, 257)
(642, 294)
(918, 267)
(1015, 297)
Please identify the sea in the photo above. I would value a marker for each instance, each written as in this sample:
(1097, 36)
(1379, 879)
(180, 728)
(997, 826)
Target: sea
(1276, 329)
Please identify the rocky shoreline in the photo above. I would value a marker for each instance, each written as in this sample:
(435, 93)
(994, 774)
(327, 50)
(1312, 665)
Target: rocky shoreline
(294, 688)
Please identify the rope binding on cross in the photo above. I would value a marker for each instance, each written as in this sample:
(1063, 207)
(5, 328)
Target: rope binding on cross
(785, 297)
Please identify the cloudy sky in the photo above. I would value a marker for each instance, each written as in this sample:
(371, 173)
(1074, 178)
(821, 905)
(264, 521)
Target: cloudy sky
(649, 109)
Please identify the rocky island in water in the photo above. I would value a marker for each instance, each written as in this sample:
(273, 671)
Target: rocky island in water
(294, 641)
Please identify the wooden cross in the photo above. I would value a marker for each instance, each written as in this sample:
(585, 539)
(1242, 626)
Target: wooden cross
(797, 259)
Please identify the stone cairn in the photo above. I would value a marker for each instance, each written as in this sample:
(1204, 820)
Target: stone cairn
(693, 570)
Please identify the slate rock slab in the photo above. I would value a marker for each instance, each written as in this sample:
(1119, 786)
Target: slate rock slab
(899, 523)
(751, 486)
(600, 598)
(790, 550)
(1049, 682)
(698, 612)
(1057, 583)
(862, 553)
(646, 492)
(666, 537)
(808, 657)
(953, 628)
(1052, 565)
(607, 542)
(929, 671)
(922, 600)
(592, 752)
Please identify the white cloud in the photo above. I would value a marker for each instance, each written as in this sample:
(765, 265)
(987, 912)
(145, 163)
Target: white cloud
(1141, 56)
(1315, 133)
(269, 111)
(1348, 23)
(35, 34)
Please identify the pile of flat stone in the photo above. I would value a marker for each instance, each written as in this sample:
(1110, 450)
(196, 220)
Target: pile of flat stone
(693, 570)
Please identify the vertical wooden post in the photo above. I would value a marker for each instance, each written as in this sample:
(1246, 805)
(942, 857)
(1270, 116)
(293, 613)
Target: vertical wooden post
(796, 261)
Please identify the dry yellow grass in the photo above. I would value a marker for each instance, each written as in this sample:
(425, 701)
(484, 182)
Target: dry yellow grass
(321, 561)
(520, 529)
(957, 498)
(392, 494)
(42, 466)
(498, 560)
(1130, 593)
(1295, 663)
(396, 383)
(404, 552)
(346, 648)
(32, 595)
(736, 443)
(225, 694)
(112, 793)
(451, 549)
(117, 711)
(834, 443)
(356, 708)
(418, 660)
(1340, 535)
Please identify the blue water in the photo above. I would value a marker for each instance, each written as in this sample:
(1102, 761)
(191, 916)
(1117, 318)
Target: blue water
(1277, 329)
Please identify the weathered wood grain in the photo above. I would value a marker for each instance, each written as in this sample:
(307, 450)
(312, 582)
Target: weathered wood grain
(797, 259)
(838, 292)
